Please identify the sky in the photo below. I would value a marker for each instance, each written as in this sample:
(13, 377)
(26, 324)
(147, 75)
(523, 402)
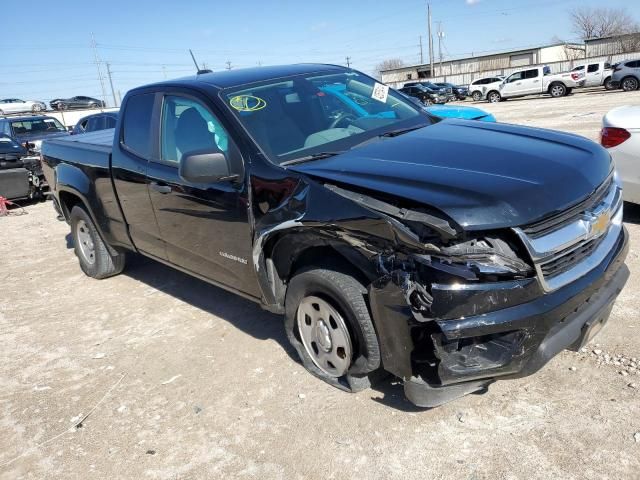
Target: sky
(46, 52)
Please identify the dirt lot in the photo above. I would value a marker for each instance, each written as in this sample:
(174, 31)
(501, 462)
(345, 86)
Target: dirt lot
(181, 380)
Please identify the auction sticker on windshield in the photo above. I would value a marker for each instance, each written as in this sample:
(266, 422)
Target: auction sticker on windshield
(380, 92)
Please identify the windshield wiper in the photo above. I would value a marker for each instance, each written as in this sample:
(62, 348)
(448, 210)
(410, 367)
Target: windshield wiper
(400, 131)
(309, 158)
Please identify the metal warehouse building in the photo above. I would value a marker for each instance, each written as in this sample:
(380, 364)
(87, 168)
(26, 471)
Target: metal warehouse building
(620, 44)
(464, 70)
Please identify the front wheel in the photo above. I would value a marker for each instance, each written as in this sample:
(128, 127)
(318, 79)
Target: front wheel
(427, 102)
(93, 255)
(493, 97)
(327, 321)
(36, 108)
(477, 96)
(629, 84)
(608, 85)
(557, 90)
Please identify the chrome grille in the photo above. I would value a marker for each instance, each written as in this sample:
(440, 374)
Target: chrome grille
(568, 245)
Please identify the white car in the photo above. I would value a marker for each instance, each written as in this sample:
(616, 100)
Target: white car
(479, 88)
(15, 105)
(620, 134)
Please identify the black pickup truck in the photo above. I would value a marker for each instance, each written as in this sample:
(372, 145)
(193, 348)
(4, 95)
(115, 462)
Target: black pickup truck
(448, 253)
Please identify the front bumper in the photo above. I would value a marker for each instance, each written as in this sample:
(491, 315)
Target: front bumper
(511, 336)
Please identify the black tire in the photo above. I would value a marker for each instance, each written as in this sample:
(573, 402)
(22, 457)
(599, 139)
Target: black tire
(557, 90)
(347, 296)
(607, 84)
(427, 102)
(629, 84)
(476, 96)
(104, 264)
(494, 96)
(62, 106)
(94, 105)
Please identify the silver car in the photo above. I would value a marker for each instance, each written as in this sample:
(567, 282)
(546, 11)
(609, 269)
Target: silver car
(15, 105)
(626, 75)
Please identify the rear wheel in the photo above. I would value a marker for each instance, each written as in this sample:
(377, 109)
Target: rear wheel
(477, 96)
(328, 323)
(629, 84)
(93, 255)
(493, 97)
(557, 90)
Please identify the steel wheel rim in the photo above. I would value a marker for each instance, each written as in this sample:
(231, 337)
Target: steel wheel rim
(324, 335)
(85, 242)
(494, 98)
(476, 96)
(556, 91)
(629, 84)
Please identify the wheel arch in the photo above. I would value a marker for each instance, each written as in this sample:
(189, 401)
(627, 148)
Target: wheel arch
(286, 253)
(68, 198)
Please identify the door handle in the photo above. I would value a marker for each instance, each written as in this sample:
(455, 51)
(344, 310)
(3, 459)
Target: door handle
(160, 188)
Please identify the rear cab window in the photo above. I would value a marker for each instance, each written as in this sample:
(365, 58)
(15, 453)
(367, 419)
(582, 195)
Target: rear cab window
(135, 135)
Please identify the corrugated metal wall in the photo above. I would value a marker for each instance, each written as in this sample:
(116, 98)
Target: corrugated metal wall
(465, 72)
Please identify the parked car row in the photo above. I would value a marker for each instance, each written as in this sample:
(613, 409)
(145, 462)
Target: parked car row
(17, 105)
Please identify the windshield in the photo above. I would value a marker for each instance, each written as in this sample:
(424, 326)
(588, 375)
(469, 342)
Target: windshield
(37, 126)
(302, 115)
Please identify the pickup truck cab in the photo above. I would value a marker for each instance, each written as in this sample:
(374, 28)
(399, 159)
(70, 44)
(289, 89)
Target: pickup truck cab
(449, 253)
(535, 81)
(595, 74)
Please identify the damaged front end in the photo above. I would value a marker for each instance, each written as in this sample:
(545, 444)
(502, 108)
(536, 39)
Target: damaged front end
(456, 310)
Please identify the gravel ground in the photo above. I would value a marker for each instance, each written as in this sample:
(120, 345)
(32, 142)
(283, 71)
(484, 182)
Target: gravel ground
(153, 374)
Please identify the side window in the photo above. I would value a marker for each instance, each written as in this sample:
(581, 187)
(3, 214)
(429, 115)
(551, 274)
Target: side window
(594, 67)
(188, 126)
(95, 123)
(531, 73)
(577, 69)
(515, 77)
(110, 122)
(136, 124)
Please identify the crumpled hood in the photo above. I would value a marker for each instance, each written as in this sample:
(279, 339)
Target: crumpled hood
(481, 175)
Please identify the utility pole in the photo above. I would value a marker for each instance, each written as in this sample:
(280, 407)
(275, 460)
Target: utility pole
(97, 60)
(228, 64)
(348, 59)
(113, 92)
(421, 56)
(430, 38)
(440, 37)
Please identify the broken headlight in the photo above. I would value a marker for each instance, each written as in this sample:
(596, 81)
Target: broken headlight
(473, 259)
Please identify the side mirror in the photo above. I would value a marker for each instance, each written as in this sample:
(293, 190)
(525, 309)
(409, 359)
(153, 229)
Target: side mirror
(205, 166)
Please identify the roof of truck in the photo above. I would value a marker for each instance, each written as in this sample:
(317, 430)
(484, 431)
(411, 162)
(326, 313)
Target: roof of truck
(243, 76)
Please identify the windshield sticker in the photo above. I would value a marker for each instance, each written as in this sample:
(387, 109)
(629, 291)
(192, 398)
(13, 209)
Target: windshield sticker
(247, 103)
(380, 92)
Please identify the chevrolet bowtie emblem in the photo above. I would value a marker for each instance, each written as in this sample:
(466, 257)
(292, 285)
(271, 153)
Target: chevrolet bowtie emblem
(600, 223)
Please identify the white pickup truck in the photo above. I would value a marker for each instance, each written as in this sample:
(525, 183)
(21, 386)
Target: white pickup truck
(535, 81)
(595, 74)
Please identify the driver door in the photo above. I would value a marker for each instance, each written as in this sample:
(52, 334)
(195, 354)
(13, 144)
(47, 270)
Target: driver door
(205, 227)
(513, 85)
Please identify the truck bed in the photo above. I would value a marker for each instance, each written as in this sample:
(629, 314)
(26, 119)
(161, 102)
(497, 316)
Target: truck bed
(81, 165)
